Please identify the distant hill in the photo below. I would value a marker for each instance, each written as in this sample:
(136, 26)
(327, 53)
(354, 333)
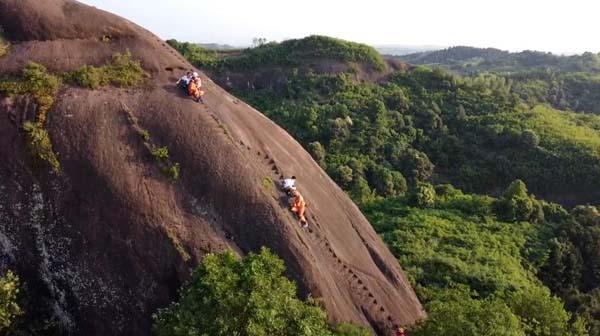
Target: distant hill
(217, 46)
(469, 59)
(399, 50)
(271, 64)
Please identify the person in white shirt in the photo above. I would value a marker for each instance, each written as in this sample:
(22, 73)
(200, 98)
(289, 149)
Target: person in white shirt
(289, 184)
(184, 81)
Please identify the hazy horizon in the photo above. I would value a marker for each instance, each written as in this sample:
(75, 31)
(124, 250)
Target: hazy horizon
(555, 26)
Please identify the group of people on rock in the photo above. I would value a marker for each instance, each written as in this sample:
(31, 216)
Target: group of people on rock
(297, 203)
(191, 84)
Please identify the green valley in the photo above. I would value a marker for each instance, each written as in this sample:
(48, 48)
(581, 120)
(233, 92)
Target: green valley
(404, 140)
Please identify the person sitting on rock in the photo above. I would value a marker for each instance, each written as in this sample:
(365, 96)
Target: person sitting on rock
(184, 81)
(288, 185)
(299, 207)
(194, 88)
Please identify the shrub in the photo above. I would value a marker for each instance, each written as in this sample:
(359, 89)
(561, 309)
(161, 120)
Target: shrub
(89, 77)
(124, 71)
(4, 45)
(9, 309)
(39, 145)
(121, 71)
(38, 81)
(161, 154)
(167, 167)
(268, 184)
(227, 296)
(144, 134)
(171, 171)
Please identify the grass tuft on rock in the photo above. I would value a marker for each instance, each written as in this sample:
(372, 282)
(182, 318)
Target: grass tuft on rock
(122, 71)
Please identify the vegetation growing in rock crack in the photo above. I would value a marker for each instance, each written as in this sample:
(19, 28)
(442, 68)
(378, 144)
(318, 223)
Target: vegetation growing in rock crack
(42, 86)
(4, 45)
(227, 296)
(177, 245)
(122, 70)
(9, 296)
(169, 168)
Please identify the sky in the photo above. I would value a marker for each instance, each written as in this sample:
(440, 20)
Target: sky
(550, 25)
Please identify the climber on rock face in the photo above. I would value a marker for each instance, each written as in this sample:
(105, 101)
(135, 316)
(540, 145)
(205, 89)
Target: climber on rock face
(299, 207)
(184, 81)
(400, 331)
(289, 185)
(194, 88)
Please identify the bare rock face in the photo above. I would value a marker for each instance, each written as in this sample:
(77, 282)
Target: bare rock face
(110, 239)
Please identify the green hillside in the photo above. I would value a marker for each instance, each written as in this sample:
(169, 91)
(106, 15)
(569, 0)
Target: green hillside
(287, 53)
(491, 255)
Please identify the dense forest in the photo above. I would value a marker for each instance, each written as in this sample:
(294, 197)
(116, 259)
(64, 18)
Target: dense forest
(473, 181)
(565, 82)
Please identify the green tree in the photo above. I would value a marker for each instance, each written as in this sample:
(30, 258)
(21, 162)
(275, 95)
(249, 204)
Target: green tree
(515, 204)
(318, 152)
(456, 313)
(530, 139)
(346, 329)
(424, 195)
(541, 313)
(248, 297)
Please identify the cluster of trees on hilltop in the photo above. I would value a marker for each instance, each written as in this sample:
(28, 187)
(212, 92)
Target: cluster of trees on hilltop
(470, 60)
(287, 53)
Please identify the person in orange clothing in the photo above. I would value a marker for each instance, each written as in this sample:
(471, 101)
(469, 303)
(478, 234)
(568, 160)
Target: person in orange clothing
(194, 88)
(299, 207)
(400, 331)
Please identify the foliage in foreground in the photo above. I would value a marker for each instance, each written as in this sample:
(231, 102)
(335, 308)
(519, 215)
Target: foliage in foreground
(9, 308)
(248, 297)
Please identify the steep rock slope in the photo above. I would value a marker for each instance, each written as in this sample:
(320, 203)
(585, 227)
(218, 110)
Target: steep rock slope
(109, 239)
